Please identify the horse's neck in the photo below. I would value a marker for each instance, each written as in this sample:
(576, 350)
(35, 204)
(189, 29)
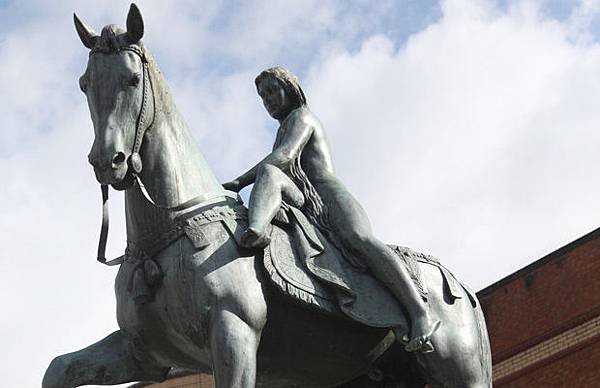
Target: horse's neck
(174, 171)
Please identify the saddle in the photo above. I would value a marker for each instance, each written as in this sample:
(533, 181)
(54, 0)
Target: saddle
(302, 264)
(305, 266)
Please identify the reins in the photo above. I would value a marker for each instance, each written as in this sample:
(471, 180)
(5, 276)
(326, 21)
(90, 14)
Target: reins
(134, 163)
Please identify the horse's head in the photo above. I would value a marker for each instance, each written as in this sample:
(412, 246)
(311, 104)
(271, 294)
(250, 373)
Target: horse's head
(116, 83)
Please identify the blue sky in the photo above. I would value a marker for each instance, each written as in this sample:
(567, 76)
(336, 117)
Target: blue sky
(467, 128)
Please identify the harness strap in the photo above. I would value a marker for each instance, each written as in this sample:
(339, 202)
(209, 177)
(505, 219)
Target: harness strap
(135, 161)
(104, 231)
(202, 198)
(196, 201)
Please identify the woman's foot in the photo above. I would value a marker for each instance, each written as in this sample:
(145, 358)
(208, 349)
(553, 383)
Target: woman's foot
(421, 332)
(254, 238)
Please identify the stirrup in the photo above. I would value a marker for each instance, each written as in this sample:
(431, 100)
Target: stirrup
(424, 346)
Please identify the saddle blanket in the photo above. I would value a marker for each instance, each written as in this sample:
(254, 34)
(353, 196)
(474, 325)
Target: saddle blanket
(303, 264)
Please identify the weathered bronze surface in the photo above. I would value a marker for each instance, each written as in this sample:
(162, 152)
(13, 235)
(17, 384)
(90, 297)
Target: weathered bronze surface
(300, 168)
(196, 291)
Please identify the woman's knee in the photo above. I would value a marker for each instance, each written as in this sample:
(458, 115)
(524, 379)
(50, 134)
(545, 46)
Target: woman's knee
(270, 176)
(358, 239)
(279, 181)
(268, 171)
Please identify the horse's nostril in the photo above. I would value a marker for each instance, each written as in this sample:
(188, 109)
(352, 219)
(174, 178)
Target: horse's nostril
(118, 159)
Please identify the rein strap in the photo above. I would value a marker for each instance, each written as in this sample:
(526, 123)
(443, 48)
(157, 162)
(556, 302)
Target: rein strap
(104, 231)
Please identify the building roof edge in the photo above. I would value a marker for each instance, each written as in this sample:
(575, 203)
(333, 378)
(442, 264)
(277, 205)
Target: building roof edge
(560, 252)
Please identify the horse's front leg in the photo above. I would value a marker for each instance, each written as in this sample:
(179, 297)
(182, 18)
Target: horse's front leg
(234, 344)
(110, 361)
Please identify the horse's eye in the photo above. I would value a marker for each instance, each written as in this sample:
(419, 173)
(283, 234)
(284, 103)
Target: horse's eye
(134, 80)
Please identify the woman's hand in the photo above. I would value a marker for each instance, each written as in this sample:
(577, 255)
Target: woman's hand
(234, 185)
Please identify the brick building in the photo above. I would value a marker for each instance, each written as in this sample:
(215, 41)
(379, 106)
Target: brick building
(543, 322)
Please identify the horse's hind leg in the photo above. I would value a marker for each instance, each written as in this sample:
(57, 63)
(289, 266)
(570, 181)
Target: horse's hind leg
(459, 359)
(110, 361)
(447, 368)
(462, 356)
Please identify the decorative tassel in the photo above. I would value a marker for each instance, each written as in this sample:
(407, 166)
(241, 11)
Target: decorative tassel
(141, 292)
(152, 272)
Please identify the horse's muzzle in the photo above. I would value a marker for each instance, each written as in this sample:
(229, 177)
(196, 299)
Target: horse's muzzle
(113, 173)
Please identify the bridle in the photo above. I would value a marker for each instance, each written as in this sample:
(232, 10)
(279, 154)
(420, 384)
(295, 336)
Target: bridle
(134, 161)
(143, 124)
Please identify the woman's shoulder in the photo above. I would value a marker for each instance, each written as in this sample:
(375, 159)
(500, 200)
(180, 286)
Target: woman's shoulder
(303, 115)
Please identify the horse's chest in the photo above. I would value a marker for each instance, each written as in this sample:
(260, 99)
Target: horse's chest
(171, 323)
(174, 324)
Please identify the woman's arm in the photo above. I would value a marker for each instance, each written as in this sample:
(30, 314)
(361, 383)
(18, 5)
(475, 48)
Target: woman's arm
(295, 135)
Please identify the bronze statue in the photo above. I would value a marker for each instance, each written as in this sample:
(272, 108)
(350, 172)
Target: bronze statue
(301, 159)
(191, 295)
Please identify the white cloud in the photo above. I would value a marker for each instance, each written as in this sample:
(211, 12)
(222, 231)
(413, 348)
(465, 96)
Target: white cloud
(476, 137)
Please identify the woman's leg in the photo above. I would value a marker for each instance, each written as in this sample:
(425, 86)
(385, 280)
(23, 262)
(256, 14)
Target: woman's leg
(270, 187)
(386, 267)
(351, 224)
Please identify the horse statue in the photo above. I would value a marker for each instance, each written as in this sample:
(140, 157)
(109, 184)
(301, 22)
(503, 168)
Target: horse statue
(188, 296)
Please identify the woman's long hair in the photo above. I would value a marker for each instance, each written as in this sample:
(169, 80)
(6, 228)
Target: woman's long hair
(289, 82)
(314, 208)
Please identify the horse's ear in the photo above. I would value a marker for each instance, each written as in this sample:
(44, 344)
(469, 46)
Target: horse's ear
(86, 34)
(135, 25)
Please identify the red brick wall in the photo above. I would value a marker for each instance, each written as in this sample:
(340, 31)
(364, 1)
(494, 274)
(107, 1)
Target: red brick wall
(541, 319)
(575, 369)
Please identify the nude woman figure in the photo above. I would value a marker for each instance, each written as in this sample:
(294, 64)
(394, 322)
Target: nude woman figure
(300, 171)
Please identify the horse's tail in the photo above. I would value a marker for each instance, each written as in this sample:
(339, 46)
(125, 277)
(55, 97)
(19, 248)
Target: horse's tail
(484, 344)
